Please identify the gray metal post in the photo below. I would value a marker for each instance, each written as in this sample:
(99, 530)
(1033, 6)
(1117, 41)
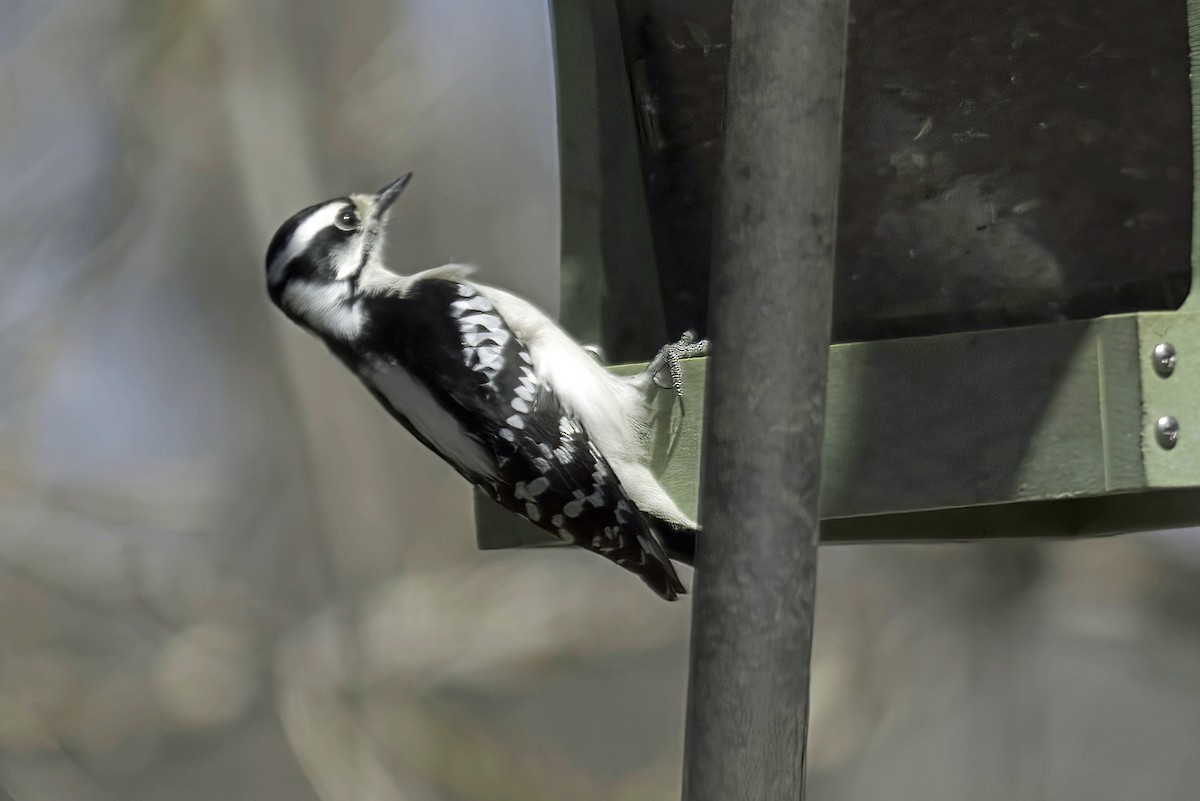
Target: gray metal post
(747, 717)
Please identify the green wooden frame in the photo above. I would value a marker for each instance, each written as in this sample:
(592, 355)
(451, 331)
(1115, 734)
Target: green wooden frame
(1036, 431)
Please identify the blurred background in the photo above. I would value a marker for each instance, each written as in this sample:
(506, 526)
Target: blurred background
(226, 574)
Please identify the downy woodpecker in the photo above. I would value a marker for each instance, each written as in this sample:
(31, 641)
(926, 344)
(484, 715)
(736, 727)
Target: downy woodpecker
(490, 384)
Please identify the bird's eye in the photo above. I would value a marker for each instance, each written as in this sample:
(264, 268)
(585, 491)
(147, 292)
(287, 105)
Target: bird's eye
(347, 220)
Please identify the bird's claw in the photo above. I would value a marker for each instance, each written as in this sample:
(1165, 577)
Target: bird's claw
(670, 358)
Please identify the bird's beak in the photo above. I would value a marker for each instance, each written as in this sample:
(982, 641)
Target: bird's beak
(387, 196)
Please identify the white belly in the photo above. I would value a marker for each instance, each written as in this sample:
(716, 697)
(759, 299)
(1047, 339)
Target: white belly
(411, 399)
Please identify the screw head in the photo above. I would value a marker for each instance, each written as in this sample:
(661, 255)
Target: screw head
(1166, 431)
(1164, 359)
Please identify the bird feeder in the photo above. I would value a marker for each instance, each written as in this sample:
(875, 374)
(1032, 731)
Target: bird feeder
(1017, 336)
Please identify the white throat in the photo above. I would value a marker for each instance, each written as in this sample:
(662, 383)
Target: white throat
(327, 308)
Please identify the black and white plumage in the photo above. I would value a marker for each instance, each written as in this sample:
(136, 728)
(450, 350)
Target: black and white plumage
(490, 383)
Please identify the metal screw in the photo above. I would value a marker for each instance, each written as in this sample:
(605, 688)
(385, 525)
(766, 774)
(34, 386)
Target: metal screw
(1167, 431)
(1164, 359)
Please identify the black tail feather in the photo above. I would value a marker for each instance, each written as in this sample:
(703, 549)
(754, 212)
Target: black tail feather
(659, 573)
(679, 543)
(664, 582)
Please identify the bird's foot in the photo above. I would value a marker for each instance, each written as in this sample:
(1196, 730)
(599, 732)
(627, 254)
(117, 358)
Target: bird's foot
(669, 360)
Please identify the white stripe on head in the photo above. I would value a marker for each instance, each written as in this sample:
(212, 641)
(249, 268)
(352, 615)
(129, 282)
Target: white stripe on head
(350, 263)
(303, 236)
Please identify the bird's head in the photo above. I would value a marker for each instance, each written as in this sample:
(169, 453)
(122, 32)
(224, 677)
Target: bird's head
(317, 256)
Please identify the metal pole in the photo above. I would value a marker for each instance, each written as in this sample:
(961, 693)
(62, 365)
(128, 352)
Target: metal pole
(752, 620)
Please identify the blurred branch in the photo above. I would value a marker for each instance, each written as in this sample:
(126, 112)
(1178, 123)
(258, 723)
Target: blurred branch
(484, 627)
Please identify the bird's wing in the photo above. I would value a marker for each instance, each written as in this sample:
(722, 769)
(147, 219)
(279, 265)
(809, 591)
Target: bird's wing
(452, 339)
